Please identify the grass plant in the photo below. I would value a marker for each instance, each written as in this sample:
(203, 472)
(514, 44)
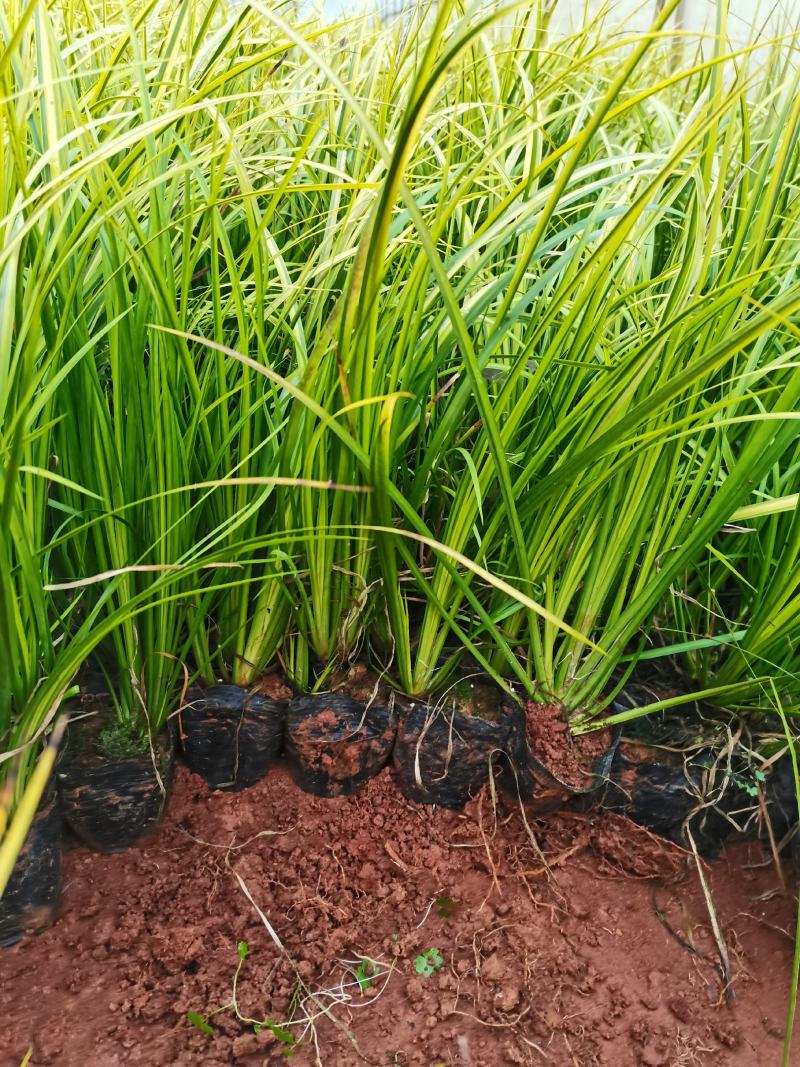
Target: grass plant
(742, 606)
(465, 336)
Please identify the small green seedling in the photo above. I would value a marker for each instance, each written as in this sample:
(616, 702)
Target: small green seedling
(284, 1036)
(751, 787)
(428, 962)
(201, 1022)
(366, 971)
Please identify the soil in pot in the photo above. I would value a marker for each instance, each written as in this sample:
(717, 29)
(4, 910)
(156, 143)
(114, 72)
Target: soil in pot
(230, 736)
(550, 765)
(113, 801)
(445, 751)
(337, 741)
(31, 896)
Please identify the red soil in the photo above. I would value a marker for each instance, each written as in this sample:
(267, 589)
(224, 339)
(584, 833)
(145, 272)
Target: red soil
(338, 747)
(570, 967)
(567, 756)
(274, 687)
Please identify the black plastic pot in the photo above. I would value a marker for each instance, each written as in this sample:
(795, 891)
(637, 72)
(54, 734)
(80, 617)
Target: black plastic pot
(781, 798)
(334, 743)
(31, 896)
(444, 756)
(231, 737)
(669, 795)
(112, 804)
(536, 782)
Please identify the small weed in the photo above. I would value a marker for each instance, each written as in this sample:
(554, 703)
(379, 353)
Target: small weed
(284, 1036)
(202, 1023)
(122, 741)
(428, 962)
(366, 971)
(751, 787)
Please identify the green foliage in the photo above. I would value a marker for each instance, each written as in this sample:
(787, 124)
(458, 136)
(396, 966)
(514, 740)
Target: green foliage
(201, 1023)
(366, 971)
(428, 962)
(122, 741)
(751, 787)
(472, 339)
(283, 1035)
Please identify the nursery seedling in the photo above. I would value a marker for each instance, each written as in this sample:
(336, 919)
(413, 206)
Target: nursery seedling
(428, 962)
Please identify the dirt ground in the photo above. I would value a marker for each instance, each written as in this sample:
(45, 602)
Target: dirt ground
(571, 942)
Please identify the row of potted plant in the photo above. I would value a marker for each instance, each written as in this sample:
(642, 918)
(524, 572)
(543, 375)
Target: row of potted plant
(426, 348)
